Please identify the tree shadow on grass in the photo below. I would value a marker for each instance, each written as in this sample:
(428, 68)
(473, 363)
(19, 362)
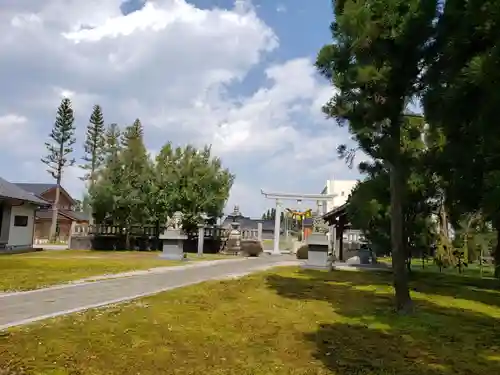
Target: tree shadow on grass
(471, 288)
(368, 337)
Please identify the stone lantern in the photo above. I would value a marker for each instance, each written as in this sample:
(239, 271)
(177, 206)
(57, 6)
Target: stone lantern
(234, 239)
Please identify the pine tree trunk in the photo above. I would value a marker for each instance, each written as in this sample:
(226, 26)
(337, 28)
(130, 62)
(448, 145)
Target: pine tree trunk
(403, 300)
(90, 210)
(55, 210)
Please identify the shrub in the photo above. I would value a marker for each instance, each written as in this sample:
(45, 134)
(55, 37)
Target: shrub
(302, 252)
(251, 248)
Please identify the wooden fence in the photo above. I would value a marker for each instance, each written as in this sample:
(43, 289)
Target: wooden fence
(112, 237)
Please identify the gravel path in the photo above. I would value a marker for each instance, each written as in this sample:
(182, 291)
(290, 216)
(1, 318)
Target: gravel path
(26, 307)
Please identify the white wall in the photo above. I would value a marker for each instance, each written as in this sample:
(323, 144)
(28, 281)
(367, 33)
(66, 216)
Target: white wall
(22, 236)
(342, 189)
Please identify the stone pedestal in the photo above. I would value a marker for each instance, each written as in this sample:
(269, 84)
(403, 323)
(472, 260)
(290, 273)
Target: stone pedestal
(233, 245)
(172, 243)
(318, 255)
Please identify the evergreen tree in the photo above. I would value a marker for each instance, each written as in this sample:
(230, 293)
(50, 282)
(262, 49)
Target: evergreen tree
(59, 148)
(369, 202)
(105, 192)
(132, 202)
(94, 147)
(112, 143)
(461, 102)
(377, 50)
(127, 192)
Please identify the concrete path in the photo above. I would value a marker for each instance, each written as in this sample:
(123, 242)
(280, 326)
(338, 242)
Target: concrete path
(26, 307)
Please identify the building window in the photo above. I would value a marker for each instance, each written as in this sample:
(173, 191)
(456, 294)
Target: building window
(20, 221)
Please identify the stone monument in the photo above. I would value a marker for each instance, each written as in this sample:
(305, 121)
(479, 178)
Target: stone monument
(233, 245)
(172, 240)
(318, 256)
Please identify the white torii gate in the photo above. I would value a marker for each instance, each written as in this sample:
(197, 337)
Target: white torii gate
(294, 197)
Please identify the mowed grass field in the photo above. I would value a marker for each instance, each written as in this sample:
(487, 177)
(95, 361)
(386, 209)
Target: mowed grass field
(45, 268)
(287, 321)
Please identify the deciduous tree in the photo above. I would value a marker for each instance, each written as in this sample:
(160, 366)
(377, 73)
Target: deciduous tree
(191, 181)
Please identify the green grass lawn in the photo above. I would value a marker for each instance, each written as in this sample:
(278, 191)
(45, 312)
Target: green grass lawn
(45, 268)
(472, 270)
(281, 322)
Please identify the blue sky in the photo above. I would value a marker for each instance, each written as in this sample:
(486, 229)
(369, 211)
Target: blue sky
(238, 75)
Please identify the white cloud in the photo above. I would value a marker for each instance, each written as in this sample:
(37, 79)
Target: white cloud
(12, 129)
(281, 8)
(180, 70)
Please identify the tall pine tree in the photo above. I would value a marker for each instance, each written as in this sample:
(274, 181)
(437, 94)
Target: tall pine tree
(374, 61)
(112, 143)
(59, 148)
(132, 203)
(94, 147)
(105, 192)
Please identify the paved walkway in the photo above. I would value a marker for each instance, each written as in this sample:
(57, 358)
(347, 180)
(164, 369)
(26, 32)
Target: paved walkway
(26, 307)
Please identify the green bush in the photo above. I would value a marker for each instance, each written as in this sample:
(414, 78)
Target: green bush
(302, 252)
(251, 248)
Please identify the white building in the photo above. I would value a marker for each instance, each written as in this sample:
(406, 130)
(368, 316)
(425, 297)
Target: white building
(341, 188)
(17, 216)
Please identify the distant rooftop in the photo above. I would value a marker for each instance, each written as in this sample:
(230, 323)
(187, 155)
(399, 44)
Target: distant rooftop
(35, 188)
(13, 191)
(246, 222)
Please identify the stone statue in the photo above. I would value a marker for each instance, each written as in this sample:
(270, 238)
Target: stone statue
(174, 221)
(319, 225)
(177, 217)
(170, 224)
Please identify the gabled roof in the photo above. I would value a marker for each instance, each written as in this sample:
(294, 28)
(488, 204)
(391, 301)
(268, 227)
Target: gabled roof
(37, 189)
(79, 216)
(336, 212)
(72, 215)
(12, 191)
(40, 188)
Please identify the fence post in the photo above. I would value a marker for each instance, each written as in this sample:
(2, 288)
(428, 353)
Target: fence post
(71, 233)
(259, 232)
(201, 238)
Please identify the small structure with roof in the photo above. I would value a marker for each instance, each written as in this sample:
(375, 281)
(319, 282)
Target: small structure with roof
(341, 233)
(66, 214)
(17, 216)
